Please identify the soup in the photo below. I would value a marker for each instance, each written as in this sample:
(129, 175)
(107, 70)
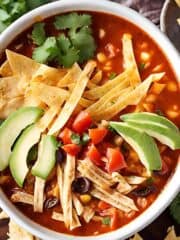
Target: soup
(92, 136)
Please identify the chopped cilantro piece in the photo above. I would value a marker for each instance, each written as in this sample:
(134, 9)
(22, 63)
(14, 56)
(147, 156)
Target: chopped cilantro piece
(67, 53)
(4, 16)
(175, 209)
(31, 4)
(85, 139)
(47, 51)
(72, 21)
(150, 181)
(106, 221)
(142, 66)
(75, 138)
(112, 75)
(38, 34)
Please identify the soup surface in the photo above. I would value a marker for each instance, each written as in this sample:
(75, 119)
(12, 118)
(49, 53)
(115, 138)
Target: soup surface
(94, 144)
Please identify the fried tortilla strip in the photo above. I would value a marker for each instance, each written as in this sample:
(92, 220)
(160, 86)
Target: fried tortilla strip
(22, 197)
(88, 214)
(78, 205)
(39, 194)
(60, 180)
(69, 175)
(73, 100)
(132, 98)
(91, 85)
(16, 232)
(135, 180)
(49, 94)
(100, 91)
(58, 216)
(3, 215)
(136, 237)
(123, 186)
(97, 77)
(75, 220)
(85, 102)
(5, 69)
(129, 59)
(109, 98)
(171, 234)
(9, 87)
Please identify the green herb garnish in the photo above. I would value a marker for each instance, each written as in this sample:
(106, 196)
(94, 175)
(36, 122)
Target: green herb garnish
(112, 75)
(175, 209)
(38, 34)
(106, 221)
(142, 66)
(75, 138)
(85, 139)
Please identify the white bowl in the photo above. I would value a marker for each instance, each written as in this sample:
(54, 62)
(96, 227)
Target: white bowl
(172, 187)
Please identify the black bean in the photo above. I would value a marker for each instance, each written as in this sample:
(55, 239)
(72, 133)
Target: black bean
(144, 191)
(51, 202)
(60, 155)
(81, 185)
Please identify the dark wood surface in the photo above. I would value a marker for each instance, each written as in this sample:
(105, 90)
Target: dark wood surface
(156, 230)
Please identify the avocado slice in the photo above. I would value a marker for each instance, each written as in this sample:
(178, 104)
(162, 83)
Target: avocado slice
(46, 157)
(18, 159)
(146, 117)
(11, 129)
(143, 144)
(164, 135)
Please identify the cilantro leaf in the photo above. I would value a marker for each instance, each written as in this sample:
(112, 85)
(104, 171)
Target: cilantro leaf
(84, 42)
(38, 34)
(75, 138)
(112, 75)
(175, 209)
(72, 21)
(31, 4)
(106, 221)
(4, 16)
(47, 51)
(67, 53)
(85, 139)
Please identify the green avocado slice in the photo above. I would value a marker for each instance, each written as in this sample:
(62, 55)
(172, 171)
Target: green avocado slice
(146, 117)
(46, 157)
(164, 135)
(11, 129)
(143, 144)
(18, 159)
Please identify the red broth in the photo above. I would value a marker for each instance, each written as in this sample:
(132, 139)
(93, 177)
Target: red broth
(114, 27)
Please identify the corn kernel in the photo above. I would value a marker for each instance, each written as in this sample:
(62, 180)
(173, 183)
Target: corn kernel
(145, 56)
(102, 33)
(101, 57)
(172, 87)
(85, 198)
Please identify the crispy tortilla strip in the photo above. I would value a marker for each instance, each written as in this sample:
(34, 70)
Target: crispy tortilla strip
(73, 100)
(135, 180)
(30, 100)
(136, 237)
(78, 205)
(75, 220)
(97, 77)
(88, 214)
(85, 102)
(22, 197)
(129, 58)
(48, 117)
(58, 216)
(16, 232)
(97, 218)
(100, 91)
(123, 186)
(109, 98)
(9, 87)
(171, 234)
(69, 175)
(91, 85)
(49, 94)
(3, 215)
(132, 98)
(60, 180)
(5, 69)
(39, 194)
(71, 77)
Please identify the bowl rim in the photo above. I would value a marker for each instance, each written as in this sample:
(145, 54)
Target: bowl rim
(173, 185)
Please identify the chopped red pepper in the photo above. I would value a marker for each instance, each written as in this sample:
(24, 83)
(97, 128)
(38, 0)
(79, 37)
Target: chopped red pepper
(103, 205)
(72, 149)
(97, 134)
(82, 122)
(65, 135)
(114, 219)
(115, 160)
(94, 155)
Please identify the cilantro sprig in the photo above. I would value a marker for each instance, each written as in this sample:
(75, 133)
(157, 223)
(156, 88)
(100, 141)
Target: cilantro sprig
(75, 44)
(175, 209)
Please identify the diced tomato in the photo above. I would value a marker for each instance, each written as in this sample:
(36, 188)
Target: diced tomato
(114, 219)
(94, 155)
(103, 205)
(65, 135)
(115, 160)
(72, 149)
(82, 122)
(97, 134)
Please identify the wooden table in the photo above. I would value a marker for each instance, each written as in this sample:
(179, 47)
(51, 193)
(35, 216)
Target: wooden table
(156, 230)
